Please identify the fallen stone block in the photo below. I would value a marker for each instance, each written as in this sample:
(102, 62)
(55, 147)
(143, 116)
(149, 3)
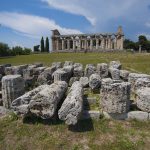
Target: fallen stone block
(115, 64)
(89, 70)
(71, 108)
(143, 99)
(84, 81)
(57, 65)
(133, 77)
(102, 70)
(124, 74)
(12, 88)
(138, 115)
(115, 73)
(78, 70)
(94, 81)
(72, 80)
(115, 98)
(68, 63)
(107, 81)
(45, 103)
(142, 83)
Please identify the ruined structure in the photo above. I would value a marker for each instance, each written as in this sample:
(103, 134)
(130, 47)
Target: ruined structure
(92, 42)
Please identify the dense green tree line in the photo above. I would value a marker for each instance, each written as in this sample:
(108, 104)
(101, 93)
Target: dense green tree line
(5, 50)
(142, 42)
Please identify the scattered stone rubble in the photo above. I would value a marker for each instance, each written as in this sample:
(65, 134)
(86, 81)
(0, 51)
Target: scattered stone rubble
(48, 95)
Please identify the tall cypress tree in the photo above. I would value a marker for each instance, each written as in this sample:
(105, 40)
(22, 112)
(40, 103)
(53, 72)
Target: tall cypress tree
(42, 44)
(47, 45)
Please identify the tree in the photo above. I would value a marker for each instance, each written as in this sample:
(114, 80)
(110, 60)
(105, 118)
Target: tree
(42, 44)
(18, 50)
(143, 42)
(128, 44)
(47, 45)
(36, 48)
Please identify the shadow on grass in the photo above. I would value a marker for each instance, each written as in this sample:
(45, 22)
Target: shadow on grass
(82, 126)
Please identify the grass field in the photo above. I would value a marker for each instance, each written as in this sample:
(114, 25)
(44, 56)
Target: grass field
(133, 62)
(86, 135)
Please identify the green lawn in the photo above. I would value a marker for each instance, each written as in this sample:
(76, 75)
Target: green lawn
(133, 62)
(104, 134)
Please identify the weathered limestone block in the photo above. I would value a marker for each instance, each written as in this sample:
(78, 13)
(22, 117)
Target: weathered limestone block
(115, 98)
(68, 63)
(138, 115)
(57, 65)
(78, 70)
(72, 80)
(27, 73)
(8, 71)
(32, 66)
(45, 103)
(115, 116)
(60, 75)
(38, 70)
(7, 65)
(46, 76)
(69, 70)
(143, 99)
(124, 74)
(71, 108)
(133, 78)
(102, 70)
(12, 88)
(107, 81)
(19, 69)
(115, 64)
(20, 105)
(89, 70)
(94, 81)
(141, 83)
(38, 64)
(84, 81)
(115, 73)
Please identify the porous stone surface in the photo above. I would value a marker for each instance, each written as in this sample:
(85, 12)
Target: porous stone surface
(8, 71)
(19, 69)
(69, 70)
(12, 88)
(60, 75)
(115, 64)
(102, 70)
(143, 99)
(138, 115)
(84, 81)
(57, 65)
(94, 81)
(45, 103)
(2, 69)
(124, 74)
(38, 64)
(133, 77)
(115, 116)
(68, 63)
(115, 98)
(89, 70)
(72, 80)
(46, 76)
(115, 73)
(20, 105)
(71, 108)
(90, 115)
(106, 81)
(141, 83)
(78, 70)
(38, 70)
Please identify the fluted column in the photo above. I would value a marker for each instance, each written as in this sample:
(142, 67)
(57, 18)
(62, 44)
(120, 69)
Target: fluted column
(103, 43)
(63, 44)
(97, 43)
(68, 44)
(79, 44)
(115, 43)
(85, 44)
(109, 43)
(57, 44)
(74, 44)
(91, 44)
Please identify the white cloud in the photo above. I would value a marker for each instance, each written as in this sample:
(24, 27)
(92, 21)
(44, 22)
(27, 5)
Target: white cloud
(99, 12)
(32, 26)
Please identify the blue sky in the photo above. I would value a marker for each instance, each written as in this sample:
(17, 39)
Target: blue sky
(23, 22)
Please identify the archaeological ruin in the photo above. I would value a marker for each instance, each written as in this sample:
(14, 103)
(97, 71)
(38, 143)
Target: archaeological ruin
(71, 92)
(87, 42)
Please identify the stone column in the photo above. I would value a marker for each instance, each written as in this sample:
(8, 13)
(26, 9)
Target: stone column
(68, 44)
(103, 43)
(12, 88)
(79, 44)
(74, 44)
(57, 44)
(63, 44)
(91, 44)
(109, 43)
(115, 43)
(97, 43)
(85, 44)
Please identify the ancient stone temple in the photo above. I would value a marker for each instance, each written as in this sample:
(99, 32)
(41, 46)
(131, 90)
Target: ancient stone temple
(91, 42)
